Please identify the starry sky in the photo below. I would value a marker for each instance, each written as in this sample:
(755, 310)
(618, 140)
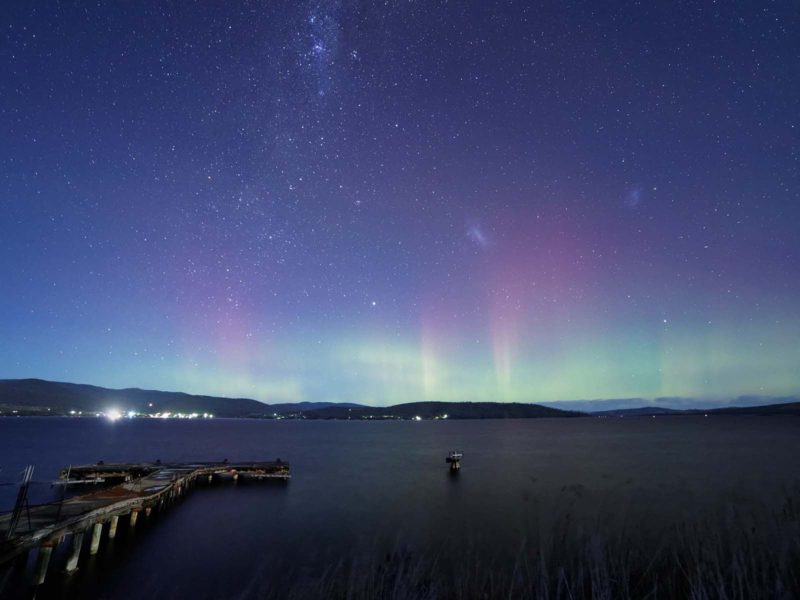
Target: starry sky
(383, 202)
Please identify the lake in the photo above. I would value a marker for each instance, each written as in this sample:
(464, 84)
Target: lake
(382, 485)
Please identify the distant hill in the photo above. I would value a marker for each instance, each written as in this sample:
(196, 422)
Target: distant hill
(676, 403)
(644, 411)
(298, 407)
(40, 397)
(36, 396)
(787, 408)
(433, 410)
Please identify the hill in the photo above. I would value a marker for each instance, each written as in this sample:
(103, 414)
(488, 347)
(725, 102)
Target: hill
(680, 404)
(786, 408)
(438, 410)
(40, 397)
(644, 411)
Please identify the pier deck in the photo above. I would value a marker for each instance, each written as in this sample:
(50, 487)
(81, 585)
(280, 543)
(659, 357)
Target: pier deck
(139, 488)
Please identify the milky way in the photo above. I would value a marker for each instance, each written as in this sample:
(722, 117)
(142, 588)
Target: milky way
(383, 202)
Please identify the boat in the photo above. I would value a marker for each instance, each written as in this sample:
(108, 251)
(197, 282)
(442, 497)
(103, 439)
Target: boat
(454, 456)
(454, 459)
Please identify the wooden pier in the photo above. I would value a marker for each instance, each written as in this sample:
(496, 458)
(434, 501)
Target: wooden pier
(130, 490)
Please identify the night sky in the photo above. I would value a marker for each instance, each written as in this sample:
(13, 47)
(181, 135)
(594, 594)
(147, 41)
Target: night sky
(383, 202)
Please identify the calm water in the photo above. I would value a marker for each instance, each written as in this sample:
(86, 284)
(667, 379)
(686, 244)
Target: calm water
(374, 484)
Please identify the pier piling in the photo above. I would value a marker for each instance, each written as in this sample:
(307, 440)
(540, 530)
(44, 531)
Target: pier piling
(97, 532)
(75, 555)
(112, 527)
(42, 563)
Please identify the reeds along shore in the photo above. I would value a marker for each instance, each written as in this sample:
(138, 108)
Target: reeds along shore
(731, 555)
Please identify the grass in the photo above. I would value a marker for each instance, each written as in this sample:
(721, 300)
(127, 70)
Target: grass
(732, 555)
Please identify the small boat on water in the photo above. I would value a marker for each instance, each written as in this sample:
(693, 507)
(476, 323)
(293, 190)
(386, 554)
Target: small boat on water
(454, 459)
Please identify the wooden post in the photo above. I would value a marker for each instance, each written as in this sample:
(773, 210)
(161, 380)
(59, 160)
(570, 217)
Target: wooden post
(97, 532)
(134, 516)
(147, 511)
(42, 562)
(72, 561)
(112, 527)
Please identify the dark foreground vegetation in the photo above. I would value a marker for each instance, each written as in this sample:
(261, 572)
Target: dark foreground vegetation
(733, 555)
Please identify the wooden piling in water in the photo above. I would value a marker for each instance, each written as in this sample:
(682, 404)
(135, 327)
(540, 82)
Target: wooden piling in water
(112, 527)
(75, 555)
(43, 562)
(97, 533)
